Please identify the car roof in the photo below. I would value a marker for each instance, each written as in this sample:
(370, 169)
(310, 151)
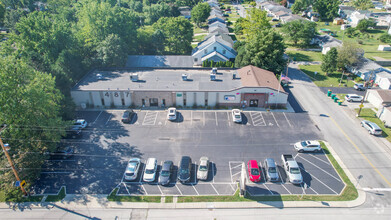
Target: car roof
(374, 125)
(167, 165)
(352, 95)
(270, 162)
(80, 120)
(313, 142)
(150, 163)
(253, 163)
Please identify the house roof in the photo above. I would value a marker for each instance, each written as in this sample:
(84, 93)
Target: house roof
(281, 13)
(216, 16)
(204, 44)
(346, 8)
(385, 94)
(223, 35)
(328, 41)
(252, 76)
(217, 23)
(215, 56)
(291, 18)
(217, 28)
(365, 65)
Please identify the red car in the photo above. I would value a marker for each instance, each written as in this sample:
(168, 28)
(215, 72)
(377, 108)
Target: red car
(253, 171)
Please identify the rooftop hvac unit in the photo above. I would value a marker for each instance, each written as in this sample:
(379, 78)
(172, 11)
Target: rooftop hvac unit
(214, 70)
(134, 77)
(184, 77)
(234, 76)
(212, 77)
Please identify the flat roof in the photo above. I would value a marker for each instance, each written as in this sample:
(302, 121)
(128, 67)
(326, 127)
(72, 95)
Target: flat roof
(159, 61)
(159, 80)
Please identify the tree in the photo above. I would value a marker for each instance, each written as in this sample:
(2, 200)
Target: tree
(2, 13)
(362, 4)
(112, 52)
(30, 107)
(265, 50)
(329, 63)
(255, 22)
(200, 13)
(327, 9)
(300, 30)
(12, 17)
(178, 32)
(363, 25)
(348, 54)
(155, 11)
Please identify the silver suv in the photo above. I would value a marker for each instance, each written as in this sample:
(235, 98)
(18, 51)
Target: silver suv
(372, 128)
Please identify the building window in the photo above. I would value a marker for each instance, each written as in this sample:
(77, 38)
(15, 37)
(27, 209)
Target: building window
(103, 102)
(214, 48)
(206, 102)
(184, 102)
(205, 51)
(163, 102)
(195, 59)
(123, 101)
(224, 51)
(143, 102)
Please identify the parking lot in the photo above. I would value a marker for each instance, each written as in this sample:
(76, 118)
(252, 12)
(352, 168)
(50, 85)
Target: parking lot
(101, 154)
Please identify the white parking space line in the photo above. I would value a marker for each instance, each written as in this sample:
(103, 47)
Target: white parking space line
(313, 190)
(150, 118)
(257, 119)
(215, 189)
(236, 166)
(230, 171)
(237, 173)
(195, 173)
(195, 189)
(217, 124)
(275, 119)
(178, 189)
(268, 189)
(229, 120)
(232, 187)
(321, 169)
(302, 187)
(160, 189)
(191, 117)
(127, 190)
(319, 159)
(203, 115)
(108, 119)
(146, 193)
(321, 182)
(287, 119)
(286, 189)
(97, 117)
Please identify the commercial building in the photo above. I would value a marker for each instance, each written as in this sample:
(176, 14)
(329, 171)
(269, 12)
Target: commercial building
(162, 87)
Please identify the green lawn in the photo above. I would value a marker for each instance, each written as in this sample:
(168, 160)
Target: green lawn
(22, 199)
(198, 30)
(169, 199)
(370, 115)
(321, 80)
(114, 198)
(55, 198)
(341, 96)
(300, 55)
(198, 38)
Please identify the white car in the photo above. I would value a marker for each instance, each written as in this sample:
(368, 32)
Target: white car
(236, 116)
(372, 128)
(171, 114)
(150, 170)
(80, 123)
(132, 169)
(203, 168)
(308, 146)
(353, 98)
(359, 87)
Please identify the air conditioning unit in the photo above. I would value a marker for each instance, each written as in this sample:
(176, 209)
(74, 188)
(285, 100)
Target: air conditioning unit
(212, 77)
(214, 70)
(134, 77)
(234, 76)
(184, 77)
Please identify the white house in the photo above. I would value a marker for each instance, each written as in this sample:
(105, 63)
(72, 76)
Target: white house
(326, 42)
(379, 97)
(384, 114)
(383, 79)
(357, 16)
(225, 37)
(345, 11)
(215, 48)
(384, 48)
(364, 68)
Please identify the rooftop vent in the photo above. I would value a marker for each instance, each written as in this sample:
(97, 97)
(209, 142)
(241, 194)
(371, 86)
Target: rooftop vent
(184, 77)
(212, 77)
(134, 77)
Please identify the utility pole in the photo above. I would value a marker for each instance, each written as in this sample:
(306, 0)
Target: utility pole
(366, 91)
(12, 166)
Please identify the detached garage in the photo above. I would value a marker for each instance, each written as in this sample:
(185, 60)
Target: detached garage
(191, 87)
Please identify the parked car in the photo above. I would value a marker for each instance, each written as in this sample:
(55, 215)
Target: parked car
(62, 152)
(308, 146)
(292, 169)
(165, 173)
(359, 87)
(253, 171)
(127, 116)
(171, 116)
(271, 170)
(184, 169)
(203, 168)
(236, 116)
(372, 128)
(73, 132)
(80, 123)
(150, 170)
(353, 98)
(132, 169)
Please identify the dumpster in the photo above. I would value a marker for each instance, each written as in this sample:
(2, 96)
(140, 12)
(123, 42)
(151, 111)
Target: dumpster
(329, 93)
(333, 96)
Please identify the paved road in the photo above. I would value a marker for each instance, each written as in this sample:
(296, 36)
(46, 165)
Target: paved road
(364, 155)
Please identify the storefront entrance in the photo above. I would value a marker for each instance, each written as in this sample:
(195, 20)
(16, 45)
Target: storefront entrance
(153, 102)
(253, 103)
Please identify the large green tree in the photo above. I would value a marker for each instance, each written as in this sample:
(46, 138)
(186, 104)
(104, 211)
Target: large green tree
(29, 104)
(329, 63)
(265, 50)
(112, 52)
(200, 13)
(256, 21)
(299, 31)
(348, 54)
(178, 34)
(362, 4)
(155, 11)
(327, 9)
(364, 24)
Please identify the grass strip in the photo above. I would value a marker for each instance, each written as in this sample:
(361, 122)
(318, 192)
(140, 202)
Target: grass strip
(169, 199)
(114, 198)
(56, 198)
(3, 198)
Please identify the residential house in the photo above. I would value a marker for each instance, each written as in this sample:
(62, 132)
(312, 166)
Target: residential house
(367, 69)
(379, 97)
(338, 21)
(213, 3)
(225, 37)
(384, 48)
(357, 16)
(214, 18)
(220, 29)
(216, 12)
(215, 48)
(384, 114)
(218, 24)
(326, 42)
(280, 14)
(262, 5)
(383, 80)
(289, 18)
(345, 11)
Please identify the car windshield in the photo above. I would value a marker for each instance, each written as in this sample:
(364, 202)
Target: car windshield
(184, 171)
(129, 174)
(203, 168)
(304, 144)
(237, 116)
(295, 170)
(254, 172)
(149, 171)
(132, 166)
(272, 170)
(165, 173)
(171, 111)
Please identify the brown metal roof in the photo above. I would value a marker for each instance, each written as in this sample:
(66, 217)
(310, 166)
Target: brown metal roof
(252, 76)
(385, 95)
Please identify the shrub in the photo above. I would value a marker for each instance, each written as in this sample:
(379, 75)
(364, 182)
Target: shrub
(385, 38)
(358, 79)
